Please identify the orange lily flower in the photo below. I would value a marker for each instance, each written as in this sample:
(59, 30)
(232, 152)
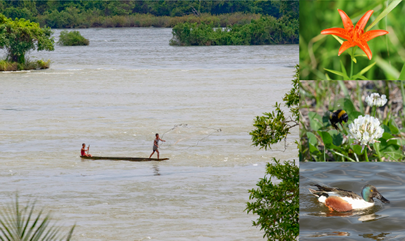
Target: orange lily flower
(355, 35)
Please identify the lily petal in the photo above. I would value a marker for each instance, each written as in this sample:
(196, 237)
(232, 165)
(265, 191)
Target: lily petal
(345, 45)
(364, 46)
(347, 22)
(363, 20)
(340, 32)
(369, 35)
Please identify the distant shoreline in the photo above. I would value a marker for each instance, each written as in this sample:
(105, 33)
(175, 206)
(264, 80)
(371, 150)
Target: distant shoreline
(148, 20)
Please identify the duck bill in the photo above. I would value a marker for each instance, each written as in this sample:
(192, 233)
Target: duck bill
(383, 199)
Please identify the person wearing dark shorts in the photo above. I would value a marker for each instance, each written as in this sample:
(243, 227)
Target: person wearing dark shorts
(156, 145)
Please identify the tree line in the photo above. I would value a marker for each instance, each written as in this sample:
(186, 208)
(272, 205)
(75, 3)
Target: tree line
(73, 14)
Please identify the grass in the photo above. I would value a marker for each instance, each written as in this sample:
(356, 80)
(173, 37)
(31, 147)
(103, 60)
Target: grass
(320, 142)
(29, 65)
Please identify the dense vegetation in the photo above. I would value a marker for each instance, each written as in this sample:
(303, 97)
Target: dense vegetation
(263, 31)
(19, 36)
(100, 13)
(266, 30)
(72, 38)
(277, 203)
(320, 141)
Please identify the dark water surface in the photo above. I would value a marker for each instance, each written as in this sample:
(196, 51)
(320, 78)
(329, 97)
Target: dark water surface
(380, 222)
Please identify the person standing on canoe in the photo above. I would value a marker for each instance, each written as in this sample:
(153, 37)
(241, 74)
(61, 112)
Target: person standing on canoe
(83, 150)
(156, 145)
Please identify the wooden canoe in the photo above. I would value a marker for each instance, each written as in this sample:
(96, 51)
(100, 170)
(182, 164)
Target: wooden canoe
(133, 159)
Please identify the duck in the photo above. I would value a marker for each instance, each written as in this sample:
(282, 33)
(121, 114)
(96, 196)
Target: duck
(343, 201)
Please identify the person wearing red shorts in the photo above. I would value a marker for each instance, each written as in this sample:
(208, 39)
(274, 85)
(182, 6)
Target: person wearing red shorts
(83, 150)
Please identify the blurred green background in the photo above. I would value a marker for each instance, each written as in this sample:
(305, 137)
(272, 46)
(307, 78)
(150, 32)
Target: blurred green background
(318, 52)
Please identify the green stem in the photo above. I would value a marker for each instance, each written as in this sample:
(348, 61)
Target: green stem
(365, 154)
(351, 67)
(374, 111)
(340, 154)
(377, 150)
(359, 98)
(402, 83)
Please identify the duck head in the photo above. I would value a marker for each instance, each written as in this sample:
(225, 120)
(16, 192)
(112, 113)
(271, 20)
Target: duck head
(369, 192)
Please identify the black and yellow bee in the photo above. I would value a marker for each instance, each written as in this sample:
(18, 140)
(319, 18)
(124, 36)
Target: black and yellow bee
(338, 117)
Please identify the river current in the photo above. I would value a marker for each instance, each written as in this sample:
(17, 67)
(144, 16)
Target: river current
(115, 94)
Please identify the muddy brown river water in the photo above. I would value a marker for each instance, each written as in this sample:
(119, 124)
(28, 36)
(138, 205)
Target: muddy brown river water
(114, 95)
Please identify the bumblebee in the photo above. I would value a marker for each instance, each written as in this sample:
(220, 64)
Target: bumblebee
(338, 117)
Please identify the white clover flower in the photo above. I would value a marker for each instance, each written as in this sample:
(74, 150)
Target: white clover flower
(366, 129)
(375, 100)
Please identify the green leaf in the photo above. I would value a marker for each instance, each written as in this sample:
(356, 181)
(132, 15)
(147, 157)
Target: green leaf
(357, 149)
(337, 137)
(363, 71)
(388, 69)
(393, 127)
(345, 76)
(353, 115)
(387, 132)
(314, 150)
(326, 138)
(312, 139)
(315, 121)
(338, 39)
(347, 105)
(402, 74)
(384, 13)
(335, 72)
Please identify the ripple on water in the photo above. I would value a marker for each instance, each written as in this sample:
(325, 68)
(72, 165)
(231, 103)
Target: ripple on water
(382, 221)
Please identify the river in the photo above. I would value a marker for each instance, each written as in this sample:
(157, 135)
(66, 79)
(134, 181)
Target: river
(115, 94)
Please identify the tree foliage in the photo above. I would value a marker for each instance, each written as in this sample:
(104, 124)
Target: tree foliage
(19, 36)
(276, 200)
(73, 14)
(264, 31)
(274, 126)
(72, 38)
(277, 204)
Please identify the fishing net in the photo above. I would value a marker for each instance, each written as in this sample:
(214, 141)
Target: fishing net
(184, 136)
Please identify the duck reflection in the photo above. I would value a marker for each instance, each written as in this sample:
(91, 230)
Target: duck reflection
(336, 233)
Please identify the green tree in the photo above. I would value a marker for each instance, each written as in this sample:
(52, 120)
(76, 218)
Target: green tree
(276, 200)
(274, 126)
(277, 204)
(19, 36)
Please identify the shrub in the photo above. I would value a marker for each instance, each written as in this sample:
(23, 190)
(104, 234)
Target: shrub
(263, 31)
(73, 38)
(27, 65)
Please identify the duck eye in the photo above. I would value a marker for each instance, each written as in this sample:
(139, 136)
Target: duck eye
(371, 190)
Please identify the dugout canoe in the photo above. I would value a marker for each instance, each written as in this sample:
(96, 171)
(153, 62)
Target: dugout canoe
(132, 159)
